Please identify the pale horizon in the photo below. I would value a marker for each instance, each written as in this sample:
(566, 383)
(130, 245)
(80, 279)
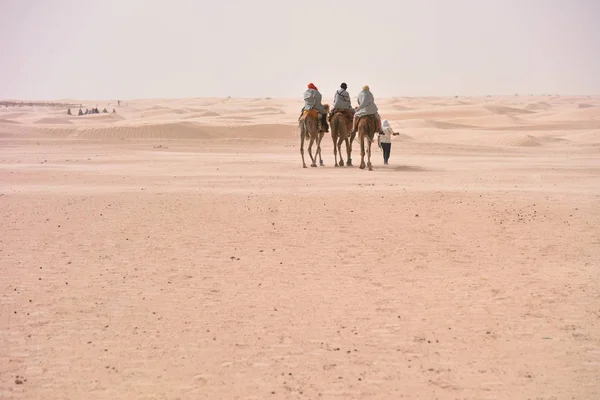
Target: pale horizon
(185, 49)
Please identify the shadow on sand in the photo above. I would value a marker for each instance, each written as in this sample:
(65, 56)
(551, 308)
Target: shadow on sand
(401, 168)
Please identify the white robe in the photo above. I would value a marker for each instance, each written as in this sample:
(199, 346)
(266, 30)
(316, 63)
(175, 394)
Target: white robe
(313, 99)
(366, 104)
(341, 100)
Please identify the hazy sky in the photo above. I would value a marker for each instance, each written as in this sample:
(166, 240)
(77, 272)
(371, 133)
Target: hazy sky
(120, 49)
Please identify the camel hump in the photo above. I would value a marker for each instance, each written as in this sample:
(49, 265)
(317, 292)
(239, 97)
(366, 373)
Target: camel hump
(344, 112)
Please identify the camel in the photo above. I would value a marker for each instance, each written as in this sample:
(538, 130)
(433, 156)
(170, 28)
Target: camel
(367, 126)
(341, 128)
(309, 129)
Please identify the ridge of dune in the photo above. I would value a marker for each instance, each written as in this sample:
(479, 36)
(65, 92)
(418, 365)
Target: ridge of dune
(12, 115)
(567, 113)
(237, 118)
(163, 111)
(64, 121)
(389, 101)
(101, 117)
(488, 120)
(448, 125)
(202, 114)
(165, 130)
(553, 138)
(504, 110)
(88, 120)
(538, 106)
(433, 113)
(520, 141)
(258, 110)
(19, 130)
(429, 123)
(550, 126)
(479, 138)
(398, 107)
(576, 114)
(173, 130)
(590, 137)
(8, 121)
(451, 103)
(267, 101)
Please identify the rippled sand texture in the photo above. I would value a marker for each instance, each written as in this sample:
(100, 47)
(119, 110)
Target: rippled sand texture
(178, 249)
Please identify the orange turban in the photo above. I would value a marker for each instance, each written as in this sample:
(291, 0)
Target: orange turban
(312, 86)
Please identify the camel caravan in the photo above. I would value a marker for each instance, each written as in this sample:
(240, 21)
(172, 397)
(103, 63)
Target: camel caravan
(345, 123)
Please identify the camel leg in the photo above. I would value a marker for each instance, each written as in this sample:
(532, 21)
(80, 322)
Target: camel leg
(369, 156)
(348, 152)
(319, 139)
(313, 159)
(302, 147)
(339, 147)
(352, 137)
(362, 151)
(335, 150)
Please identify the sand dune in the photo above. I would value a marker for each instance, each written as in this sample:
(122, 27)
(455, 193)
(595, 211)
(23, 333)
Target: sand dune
(591, 137)
(257, 110)
(163, 111)
(20, 130)
(573, 115)
(490, 120)
(441, 112)
(8, 121)
(479, 138)
(173, 130)
(520, 141)
(11, 115)
(503, 110)
(201, 114)
(401, 108)
(538, 106)
(530, 121)
(53, 121)
(237, 118)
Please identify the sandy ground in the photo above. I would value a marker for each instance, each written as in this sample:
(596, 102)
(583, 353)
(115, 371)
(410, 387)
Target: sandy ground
(177, 250)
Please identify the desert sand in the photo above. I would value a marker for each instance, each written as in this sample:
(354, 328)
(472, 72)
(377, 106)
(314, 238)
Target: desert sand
(178, 250)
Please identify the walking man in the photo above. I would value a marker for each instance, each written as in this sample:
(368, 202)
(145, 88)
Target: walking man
(384, 140)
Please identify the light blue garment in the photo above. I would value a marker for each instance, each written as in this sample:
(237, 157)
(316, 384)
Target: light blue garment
(341, 100)
(313, 99)
(366, 104)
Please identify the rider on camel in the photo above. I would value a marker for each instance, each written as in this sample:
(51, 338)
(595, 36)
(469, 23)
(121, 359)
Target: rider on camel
(342, 103)
(313, 100)
(341, 99)
(366, 106)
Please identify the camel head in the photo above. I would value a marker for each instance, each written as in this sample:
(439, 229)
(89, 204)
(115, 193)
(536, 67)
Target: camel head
(326, 107)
